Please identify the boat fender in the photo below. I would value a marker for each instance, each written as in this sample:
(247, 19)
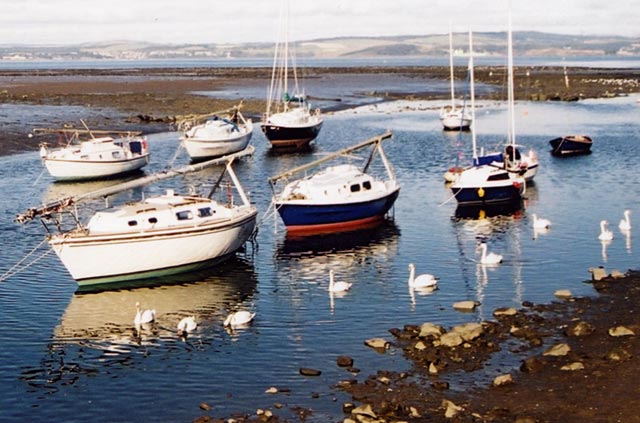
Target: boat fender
(144, 144)
(516, 185)
(480, 192)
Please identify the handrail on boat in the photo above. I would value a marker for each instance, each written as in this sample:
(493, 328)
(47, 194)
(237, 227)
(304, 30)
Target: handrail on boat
(375, 140)
(58, 205)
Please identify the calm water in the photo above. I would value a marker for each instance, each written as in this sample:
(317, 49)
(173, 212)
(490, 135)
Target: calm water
(71, 356)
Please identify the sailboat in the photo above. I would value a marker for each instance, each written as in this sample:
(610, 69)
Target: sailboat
(485, 183)
(288, 121)
(157, 236)
(454, 118)
(512, 158)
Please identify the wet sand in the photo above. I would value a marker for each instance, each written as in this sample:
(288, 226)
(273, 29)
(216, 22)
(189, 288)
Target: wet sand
(150, 100)
(602, 388)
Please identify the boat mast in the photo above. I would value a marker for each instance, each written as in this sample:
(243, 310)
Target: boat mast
(510, 96)
(451, 66)
(473, 99)
(286, 53)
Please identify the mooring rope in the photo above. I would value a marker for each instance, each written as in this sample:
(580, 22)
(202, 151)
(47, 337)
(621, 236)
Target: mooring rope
(16, 268)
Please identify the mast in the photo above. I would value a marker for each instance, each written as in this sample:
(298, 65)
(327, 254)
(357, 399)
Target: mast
(286, 51)
(473, 99)
(451, 66)
(510, 96)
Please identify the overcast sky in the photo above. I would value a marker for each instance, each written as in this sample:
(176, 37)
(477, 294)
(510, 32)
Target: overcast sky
(220, 21)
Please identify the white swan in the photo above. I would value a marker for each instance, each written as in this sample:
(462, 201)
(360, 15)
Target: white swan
(422, 281)
(605, 234)
(625, 224)
(337, 286)
(143, 316)
(491, 258)
(239, 318)
(539, 223)
(187, 325)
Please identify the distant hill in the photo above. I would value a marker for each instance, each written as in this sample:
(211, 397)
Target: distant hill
(485, 43)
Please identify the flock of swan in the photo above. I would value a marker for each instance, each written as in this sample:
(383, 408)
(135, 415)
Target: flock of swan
(423, 281)
(189, 324)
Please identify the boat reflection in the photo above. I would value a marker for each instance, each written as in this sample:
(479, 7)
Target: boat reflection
(306, 261)
(104, 320)
(489, 210)
(59, 189)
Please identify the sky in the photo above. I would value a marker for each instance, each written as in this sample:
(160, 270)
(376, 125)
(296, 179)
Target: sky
(233, 21)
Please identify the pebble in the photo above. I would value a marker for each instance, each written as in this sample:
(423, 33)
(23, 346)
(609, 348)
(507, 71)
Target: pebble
(466, 305)
(573, 366)
(377, 343)
(621, 331)
(558, 350)
(503, 380)
(305, 371)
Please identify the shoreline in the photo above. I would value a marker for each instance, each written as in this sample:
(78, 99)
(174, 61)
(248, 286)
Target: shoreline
(150, 100)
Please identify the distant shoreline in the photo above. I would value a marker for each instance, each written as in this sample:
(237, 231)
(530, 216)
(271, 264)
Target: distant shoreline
(149, 99)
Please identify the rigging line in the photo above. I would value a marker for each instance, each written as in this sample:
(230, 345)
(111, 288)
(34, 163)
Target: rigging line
(16, 267)
(38, 178)
(173, 159)
(449, 199)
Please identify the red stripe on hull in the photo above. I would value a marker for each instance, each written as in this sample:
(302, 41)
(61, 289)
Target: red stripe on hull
(333, 227)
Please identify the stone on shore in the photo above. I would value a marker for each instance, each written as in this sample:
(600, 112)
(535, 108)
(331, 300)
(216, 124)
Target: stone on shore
(450, 409)
(378, 344)
(559, 350)
(581, 329)
(563, 294)
(468, 331)
(364, 410)
(466, 305)
(503, 380)
(597, 273)
(504, 311)
(621, 331)
(431, 330)
(306, 371)
(573, 366)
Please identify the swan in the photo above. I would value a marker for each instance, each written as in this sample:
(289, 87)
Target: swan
(422, 281)
(605, 234)
(491, 258)
(239, 318)
(539, 223)
(143, 316)
(625, 224)
(187, 325)
(337, 286)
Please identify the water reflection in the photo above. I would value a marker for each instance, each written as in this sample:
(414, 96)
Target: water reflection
(479, 212)
(104, 320)
(61, 189)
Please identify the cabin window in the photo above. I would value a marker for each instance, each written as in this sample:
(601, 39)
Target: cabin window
(205, 212)
(84, 157)
(498, 177)
(153, 220)
(132, 223)
(115, 154)
(355, 188)
(184, 215)
(366, 185)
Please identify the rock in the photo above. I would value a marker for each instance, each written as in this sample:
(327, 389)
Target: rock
(413, 412)
(433, 370)
(202, 419)
(563, 294)
(581, 329)
(504, 311)
(466, 305)
(377, 343)
(559, 350)
(420, 346)
(440, 385)
(430, 330)
(450, 409)
(345, 361)
(271, 390)
(573, 366)
(305, 371)
(468, 331)
(597, 273)
(451, 340)
(348, 407)
(618, 354)
(364, 410)
(616, 274)
(621, 331)
(204, 406)
(532, 365)
(503, 380)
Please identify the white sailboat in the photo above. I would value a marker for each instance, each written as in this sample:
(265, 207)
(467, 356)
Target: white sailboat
(288, 121)
(157, 236)
(111, 153)
(454, 118)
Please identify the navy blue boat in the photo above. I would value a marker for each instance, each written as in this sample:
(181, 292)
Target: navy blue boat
(338, 198)
(571, 145)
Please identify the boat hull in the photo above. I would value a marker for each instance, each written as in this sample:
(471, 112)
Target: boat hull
(570, 146)
(455, 123)
(78, 170)
(300, 218)
(99, 259)
(282, 136)
(488, 195)
(200, 149)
